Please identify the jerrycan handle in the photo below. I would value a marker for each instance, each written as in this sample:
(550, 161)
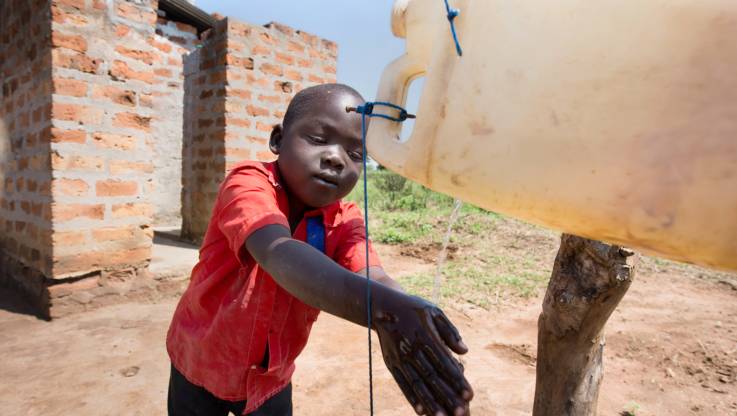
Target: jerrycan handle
(383, 135)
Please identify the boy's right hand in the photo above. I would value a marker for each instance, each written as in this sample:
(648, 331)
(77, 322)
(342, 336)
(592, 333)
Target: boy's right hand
(415, 336)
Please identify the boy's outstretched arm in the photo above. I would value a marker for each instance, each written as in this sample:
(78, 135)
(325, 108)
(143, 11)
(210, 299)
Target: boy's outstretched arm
(414, 334)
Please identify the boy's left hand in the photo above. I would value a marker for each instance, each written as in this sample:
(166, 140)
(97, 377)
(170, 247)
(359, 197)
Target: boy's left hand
(415, 336)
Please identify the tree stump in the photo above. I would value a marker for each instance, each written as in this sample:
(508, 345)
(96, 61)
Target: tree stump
(589, 279)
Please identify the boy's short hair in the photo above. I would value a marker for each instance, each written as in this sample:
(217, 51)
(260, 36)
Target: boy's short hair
(308, 97)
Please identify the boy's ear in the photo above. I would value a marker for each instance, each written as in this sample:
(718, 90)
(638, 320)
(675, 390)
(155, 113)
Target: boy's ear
(275, 139)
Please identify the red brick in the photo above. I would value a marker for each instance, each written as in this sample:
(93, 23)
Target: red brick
(257, 111)
(272, 99)
(262, 81)
(73, 136)
(115, 94)
(246, 63)
(74, 60)
(66, 212)
(204, 123)
(265, 156)
(162, 46)
(308, 38)
(78, 4)
(124, 166)
(138, 14)
(132, 209)
(114, 233)
(163, 72)
(132, 121)
(304, 63)
(73, 42)
(315, 78)
(113, 187)
(76, 163)
(120, 70)
(70, 187)
(121, 30)
(59, 15)
(238, 122)
(295, 47)
(272, 69)
(68, 238)
(330, 69)
(284, 58)
(144, 56)
(40, 162)
(76, 112)
(293, 75)
(70, 87)
(240, 154)
(217, 77)
(114, 141)
(263, 127)
(261, 50)
(257, 140)
(235, 92)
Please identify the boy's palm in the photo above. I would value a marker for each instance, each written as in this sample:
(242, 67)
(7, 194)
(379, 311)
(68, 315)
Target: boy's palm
(415, 336)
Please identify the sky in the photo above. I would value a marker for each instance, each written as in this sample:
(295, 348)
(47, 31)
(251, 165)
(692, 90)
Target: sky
(361, 29)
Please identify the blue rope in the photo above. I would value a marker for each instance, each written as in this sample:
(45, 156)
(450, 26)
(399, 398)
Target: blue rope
(368, 276)
(367, 110)
(451, 15)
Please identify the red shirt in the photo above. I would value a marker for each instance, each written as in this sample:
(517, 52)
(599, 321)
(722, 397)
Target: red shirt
(231, 309)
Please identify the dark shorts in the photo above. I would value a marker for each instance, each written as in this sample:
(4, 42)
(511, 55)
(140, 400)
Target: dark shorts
(187, 399)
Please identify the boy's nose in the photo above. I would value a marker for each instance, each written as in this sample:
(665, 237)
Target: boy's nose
(333, 158)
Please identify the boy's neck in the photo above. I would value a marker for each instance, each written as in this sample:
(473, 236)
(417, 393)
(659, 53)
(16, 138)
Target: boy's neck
(297, 210)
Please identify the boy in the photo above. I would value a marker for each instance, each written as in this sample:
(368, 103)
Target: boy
(258, 287)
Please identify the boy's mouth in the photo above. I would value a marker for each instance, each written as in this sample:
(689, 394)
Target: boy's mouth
(327, 180)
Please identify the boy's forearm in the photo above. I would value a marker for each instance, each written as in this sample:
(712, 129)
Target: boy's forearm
(312, 277)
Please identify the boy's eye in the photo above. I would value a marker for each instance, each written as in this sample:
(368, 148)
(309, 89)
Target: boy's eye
(356, 155)
(317, 139)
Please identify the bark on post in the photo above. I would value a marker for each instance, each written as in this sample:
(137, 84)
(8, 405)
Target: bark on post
(589, 279)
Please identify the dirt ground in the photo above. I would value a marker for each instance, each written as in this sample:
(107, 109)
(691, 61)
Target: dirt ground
(671, 350)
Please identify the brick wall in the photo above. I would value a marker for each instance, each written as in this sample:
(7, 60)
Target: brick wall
(116, 105)
(98, 121)
(237, 86)
(25, 174)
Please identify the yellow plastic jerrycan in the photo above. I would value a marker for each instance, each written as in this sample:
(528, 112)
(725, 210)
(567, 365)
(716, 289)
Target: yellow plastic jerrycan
(614, 120)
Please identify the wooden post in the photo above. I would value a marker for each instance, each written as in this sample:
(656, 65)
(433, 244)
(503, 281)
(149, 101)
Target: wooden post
(589, 279)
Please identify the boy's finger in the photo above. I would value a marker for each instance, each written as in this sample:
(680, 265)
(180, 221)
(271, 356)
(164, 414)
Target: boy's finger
(451, 370)
(427, 400)
(448, 332)
(449, 398)
(406, 389)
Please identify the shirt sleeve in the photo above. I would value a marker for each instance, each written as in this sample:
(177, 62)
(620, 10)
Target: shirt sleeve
(351, 250)
(246, 203)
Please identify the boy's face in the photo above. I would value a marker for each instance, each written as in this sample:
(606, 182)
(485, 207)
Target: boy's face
(320, 152)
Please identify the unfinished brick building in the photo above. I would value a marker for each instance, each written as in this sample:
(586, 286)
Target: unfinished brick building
(121, 115)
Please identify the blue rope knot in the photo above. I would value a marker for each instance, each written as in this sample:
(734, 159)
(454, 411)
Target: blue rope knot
(367, 109)
(452, 14)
